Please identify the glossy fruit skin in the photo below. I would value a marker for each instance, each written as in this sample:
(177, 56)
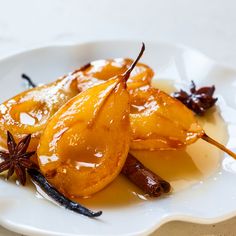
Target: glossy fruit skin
(29, 111)
(160, 122)
(85, 144)
(98, 71)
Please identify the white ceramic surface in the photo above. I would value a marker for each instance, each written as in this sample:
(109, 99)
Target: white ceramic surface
(210, 201)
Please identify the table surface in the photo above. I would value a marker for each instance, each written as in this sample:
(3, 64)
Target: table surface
(208, 26)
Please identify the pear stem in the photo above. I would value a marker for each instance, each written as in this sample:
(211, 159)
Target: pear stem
(128, 72)
(218, 145)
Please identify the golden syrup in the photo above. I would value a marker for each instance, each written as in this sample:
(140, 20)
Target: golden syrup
(182, 168)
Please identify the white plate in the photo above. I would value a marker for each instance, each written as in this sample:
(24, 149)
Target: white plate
(208, 201)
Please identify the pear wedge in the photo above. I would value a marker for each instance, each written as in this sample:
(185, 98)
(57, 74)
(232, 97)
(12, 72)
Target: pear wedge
(85, 144)
(29, 111)
(160, 122)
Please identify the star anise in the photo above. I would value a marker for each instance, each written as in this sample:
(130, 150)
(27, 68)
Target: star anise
(17, 159)
(198, 100)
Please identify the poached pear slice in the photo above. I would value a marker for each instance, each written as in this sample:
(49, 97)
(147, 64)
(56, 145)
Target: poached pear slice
(85, 144)
(160, 122)
(98, 71)
(29, 111)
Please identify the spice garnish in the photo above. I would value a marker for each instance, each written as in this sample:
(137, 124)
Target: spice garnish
(198, 100)
(52, 192)
(145, 179)
(17, 159)
(30, 82)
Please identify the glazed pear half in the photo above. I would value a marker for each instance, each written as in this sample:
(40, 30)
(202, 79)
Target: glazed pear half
(29, 111)
(160, 122)
(85, 144)
(101, 70)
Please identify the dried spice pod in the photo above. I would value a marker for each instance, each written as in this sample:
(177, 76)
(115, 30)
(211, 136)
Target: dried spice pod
(17, 159)
(198, 100)
(40, 180)
(30, 82)
(145, 179)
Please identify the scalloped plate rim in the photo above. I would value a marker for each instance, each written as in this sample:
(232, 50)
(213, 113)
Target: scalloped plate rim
(164, 219)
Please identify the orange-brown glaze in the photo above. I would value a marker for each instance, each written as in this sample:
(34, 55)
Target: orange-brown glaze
(85, 144)
(97, 71)
(29, 111)
(160, 122)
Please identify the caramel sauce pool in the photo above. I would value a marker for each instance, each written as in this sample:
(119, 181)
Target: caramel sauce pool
(182, 168)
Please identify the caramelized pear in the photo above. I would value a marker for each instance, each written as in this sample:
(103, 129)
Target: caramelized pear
(97, 71)
(160, 122)
(29, 111)
(85, 144)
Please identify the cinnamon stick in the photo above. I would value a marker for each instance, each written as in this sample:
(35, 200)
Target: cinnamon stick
(145, 179)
